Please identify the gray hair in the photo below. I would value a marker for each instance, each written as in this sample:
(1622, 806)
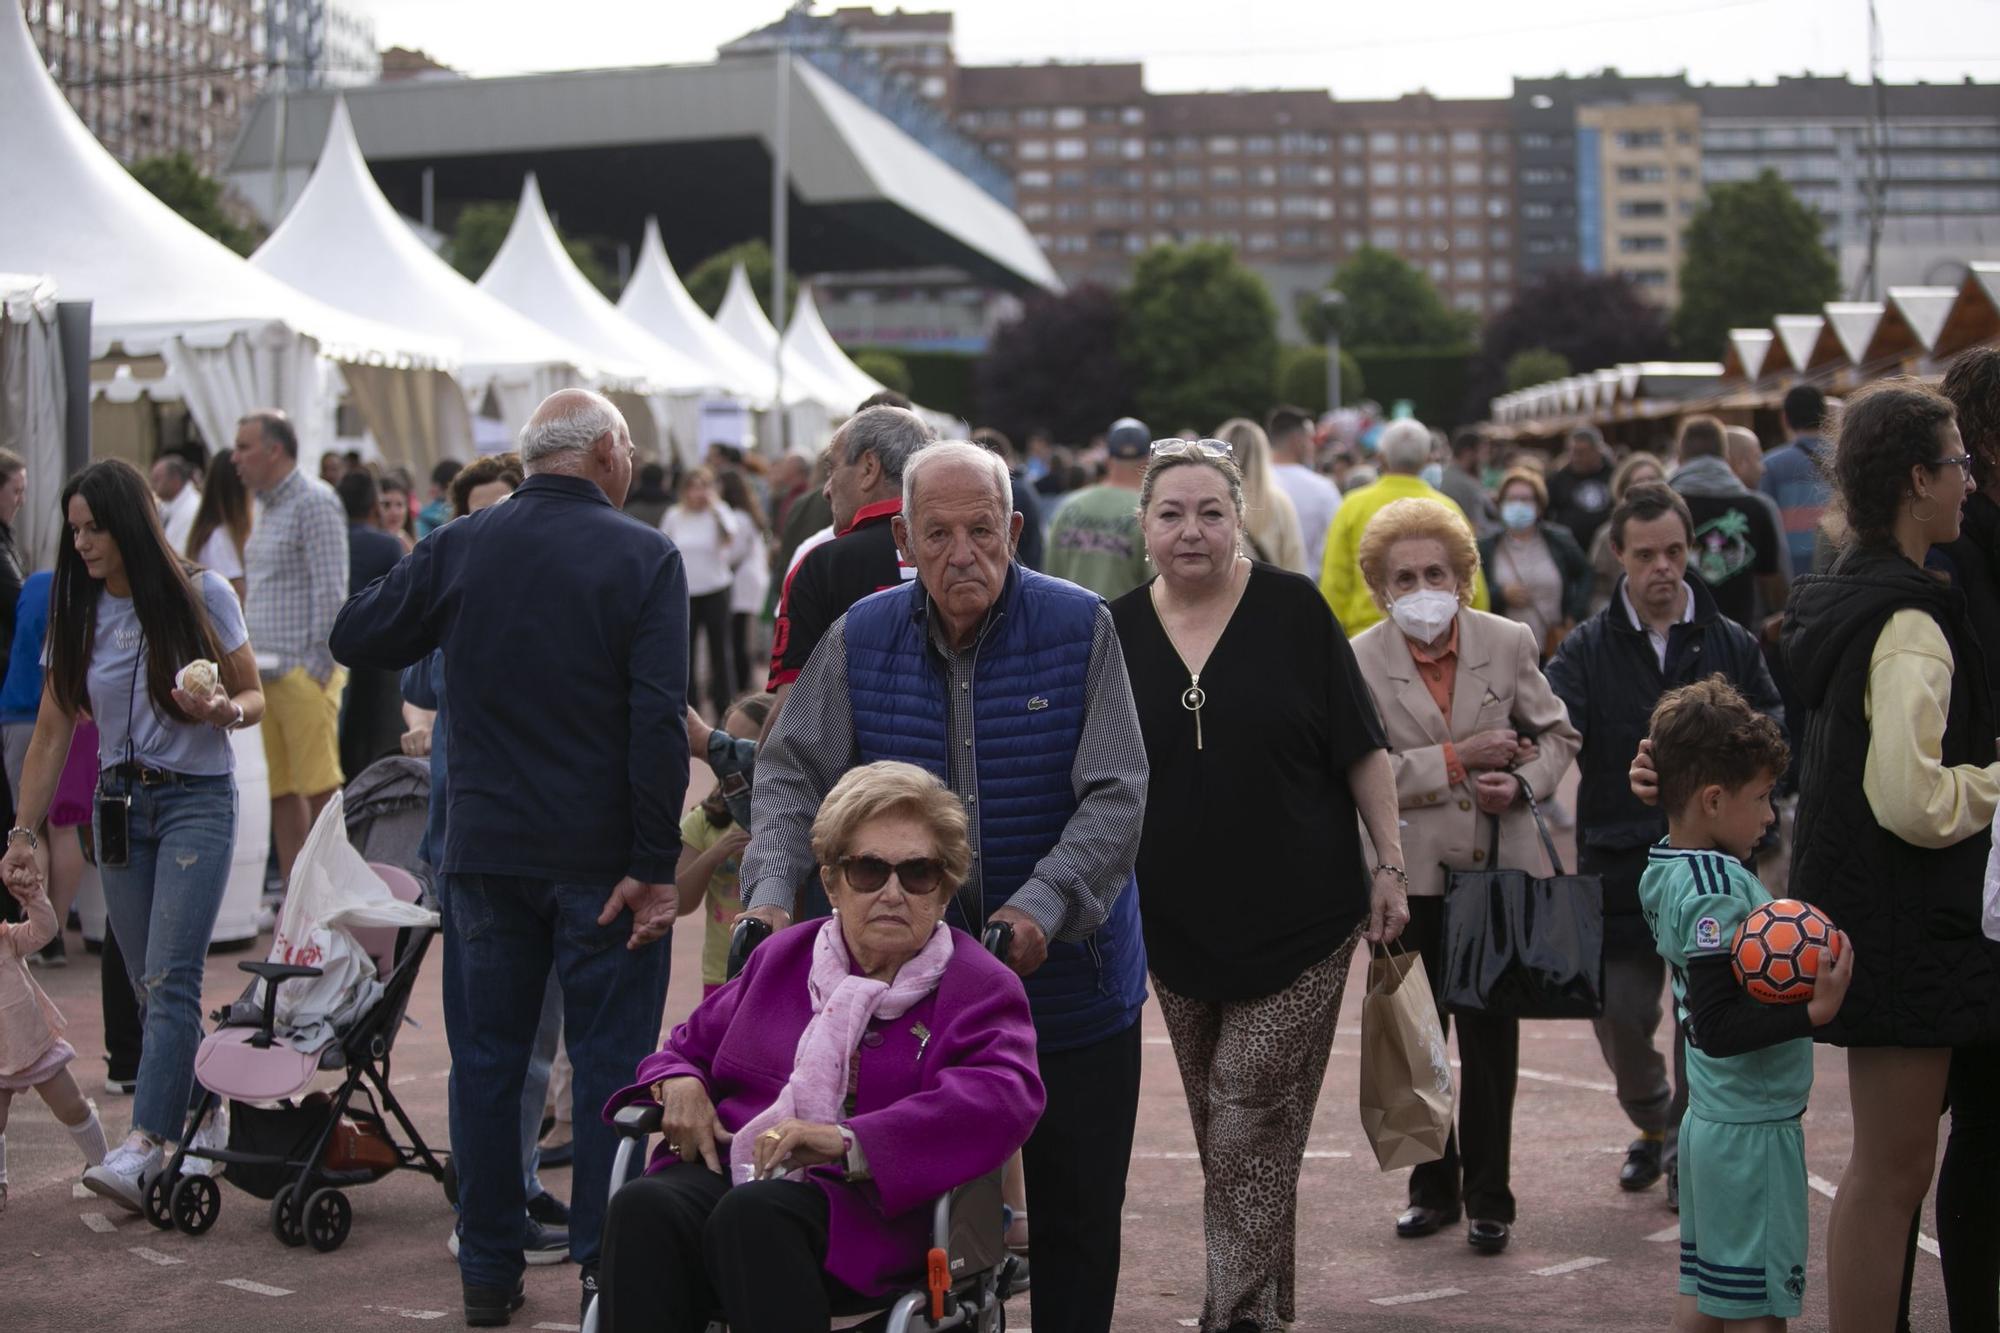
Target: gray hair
(960, 451)
(1405, 447)
(572, 426)
(892, 434)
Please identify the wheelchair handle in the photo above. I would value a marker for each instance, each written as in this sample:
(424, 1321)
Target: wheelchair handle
(998, 939)
(749, 933)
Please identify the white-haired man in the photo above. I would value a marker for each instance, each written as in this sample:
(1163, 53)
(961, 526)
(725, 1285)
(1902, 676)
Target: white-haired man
(1404, 452)
(1010, 687)
(564, 630)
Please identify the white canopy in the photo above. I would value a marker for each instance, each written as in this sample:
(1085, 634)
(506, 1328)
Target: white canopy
(535, 275)
(743, 319)
(656, 300)
(343, 243)
(807, 338)
(32, 408)
(238, 338)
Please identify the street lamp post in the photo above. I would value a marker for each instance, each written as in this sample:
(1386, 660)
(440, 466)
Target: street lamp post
(1331, 304)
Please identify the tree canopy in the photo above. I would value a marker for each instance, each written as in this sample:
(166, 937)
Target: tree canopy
(1388, 303)
(480, 229)
(181, 185)
(1537, 365)
(1590, 320)
(708, 282)
(1199, 334)
(1752, 251)
(890, 370)
(1302, 378)
(1056, 367)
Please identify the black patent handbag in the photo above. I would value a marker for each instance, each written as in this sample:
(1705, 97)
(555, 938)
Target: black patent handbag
(1518, 945)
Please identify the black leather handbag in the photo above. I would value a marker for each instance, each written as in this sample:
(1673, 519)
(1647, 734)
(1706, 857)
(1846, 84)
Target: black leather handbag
(1520, 946)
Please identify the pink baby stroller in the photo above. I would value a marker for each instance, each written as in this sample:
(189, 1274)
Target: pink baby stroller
(299, 1151)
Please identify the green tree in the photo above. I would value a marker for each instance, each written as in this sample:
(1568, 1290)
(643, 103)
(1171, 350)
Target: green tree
(1302, 378)
(886, 367)
(1752, 251)
(1199, 334)
(481, 228)
(180, 184)
(1388, 303)
(1537, 365)
(709, 282)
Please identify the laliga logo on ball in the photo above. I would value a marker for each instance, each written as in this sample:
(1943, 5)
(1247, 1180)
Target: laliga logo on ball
(1777, 951)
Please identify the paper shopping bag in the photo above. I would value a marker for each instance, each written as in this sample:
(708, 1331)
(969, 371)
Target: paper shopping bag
(1407, 1100)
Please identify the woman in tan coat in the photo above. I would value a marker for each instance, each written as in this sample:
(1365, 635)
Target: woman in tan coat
(1469, 720)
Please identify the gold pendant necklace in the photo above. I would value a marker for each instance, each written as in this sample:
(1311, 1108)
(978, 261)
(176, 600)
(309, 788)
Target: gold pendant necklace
(1192, 699)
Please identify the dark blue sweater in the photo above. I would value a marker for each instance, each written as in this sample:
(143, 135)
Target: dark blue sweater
(564, 629)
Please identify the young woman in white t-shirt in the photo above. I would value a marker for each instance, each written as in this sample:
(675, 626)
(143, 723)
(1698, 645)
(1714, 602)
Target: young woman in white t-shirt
(125, 617)
(712, 544)
(753, 577)
(222, 523)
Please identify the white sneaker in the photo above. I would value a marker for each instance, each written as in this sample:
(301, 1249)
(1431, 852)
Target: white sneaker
(452, 1243)
(124, 1175)
(211, 1133)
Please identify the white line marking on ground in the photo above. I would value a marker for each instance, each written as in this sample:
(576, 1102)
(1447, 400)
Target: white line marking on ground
(254, 1288)
(1566, 1081)
(407, 1314)
(1159, 1041)
(152, 1256)
(1434, 1294)
(559, 1328)
(1928, 1244)
(81, 1191)
(1188, 1323)
(1667, 1233)
(1572, 1266)
(99, 1223)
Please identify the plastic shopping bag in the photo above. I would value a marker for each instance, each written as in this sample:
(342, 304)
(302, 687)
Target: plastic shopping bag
(332, 890)
(1407, 1099)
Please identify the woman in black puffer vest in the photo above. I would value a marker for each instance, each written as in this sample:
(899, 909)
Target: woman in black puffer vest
(1897, 794)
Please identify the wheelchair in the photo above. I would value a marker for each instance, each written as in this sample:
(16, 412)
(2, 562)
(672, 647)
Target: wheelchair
(969, 1272)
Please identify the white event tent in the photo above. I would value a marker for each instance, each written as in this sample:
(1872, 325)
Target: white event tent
(534, 274)
(343, 243)
(32, 407)
(807, 339)
(813, 400)
(237, 339)
(658, 302)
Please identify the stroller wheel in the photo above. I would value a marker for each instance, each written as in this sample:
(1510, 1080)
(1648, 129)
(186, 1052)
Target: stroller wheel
(450, 1181)
(285, 1218)
(159, 1211)
(328, 1216)
(195, 1203)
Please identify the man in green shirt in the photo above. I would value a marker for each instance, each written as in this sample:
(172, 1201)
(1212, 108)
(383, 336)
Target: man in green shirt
(1095, 539)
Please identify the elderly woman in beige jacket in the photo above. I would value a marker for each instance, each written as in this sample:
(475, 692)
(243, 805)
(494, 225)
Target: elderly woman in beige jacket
(1470, 722)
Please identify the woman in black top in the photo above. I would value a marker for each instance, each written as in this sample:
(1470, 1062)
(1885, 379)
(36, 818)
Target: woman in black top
(1263, 747)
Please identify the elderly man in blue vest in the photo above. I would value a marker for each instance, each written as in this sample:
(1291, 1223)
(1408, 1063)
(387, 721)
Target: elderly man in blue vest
(1010, 687)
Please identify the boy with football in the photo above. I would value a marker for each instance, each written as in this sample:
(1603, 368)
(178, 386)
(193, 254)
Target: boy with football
(1749, 1064)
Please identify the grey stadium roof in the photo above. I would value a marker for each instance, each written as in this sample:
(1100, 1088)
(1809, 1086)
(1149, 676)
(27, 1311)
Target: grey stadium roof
(690, 143)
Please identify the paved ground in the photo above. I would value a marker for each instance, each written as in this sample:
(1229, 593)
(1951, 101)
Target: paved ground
(1584, 1256)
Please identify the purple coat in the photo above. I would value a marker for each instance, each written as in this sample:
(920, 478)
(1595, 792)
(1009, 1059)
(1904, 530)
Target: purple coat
(929, 1116)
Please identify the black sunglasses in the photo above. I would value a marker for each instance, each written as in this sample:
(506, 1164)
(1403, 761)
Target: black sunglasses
(869, 874)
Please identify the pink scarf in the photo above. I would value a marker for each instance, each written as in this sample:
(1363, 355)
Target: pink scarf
(844, 1004)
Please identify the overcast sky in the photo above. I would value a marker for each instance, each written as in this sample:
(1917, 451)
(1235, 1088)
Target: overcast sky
(1360, 49)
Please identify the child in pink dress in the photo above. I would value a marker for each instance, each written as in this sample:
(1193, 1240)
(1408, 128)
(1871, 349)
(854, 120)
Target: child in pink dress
(33, 1053)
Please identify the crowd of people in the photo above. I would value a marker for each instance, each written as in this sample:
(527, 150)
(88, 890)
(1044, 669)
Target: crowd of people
(1034, 697)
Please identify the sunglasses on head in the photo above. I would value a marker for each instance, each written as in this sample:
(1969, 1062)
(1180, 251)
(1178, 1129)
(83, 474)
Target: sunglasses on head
(1199, 448)
(868, 874)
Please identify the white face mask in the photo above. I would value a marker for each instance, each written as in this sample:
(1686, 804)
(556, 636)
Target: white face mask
(1424, 614)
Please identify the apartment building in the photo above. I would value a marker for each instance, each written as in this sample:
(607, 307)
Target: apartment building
(1638, 176)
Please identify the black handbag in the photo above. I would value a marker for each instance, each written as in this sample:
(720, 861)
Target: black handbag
(1520, 946)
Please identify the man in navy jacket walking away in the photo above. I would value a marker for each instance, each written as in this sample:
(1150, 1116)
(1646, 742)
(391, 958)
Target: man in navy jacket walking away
(564, 629)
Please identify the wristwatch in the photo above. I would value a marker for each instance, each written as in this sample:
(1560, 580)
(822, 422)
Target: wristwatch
(18, 832)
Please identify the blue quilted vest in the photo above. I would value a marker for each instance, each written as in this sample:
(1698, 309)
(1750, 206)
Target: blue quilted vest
(1030, 684)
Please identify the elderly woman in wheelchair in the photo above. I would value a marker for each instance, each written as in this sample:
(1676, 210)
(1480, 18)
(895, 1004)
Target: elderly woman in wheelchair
(814, 1111)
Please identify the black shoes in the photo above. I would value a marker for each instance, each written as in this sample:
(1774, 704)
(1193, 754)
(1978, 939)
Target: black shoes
(1642, 1164)
(1420, 1221)
(550, 1211)
(492, 1307)
(1487, 1237)
(1674, 1184)
(587, 1295)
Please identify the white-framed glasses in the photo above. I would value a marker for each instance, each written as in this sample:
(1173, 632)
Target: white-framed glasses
(1178, 448)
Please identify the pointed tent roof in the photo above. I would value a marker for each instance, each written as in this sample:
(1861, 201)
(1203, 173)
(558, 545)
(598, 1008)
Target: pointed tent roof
(343, 243)
(1853, 325)
(1797, 334)
(807, 337)
(1912, 323)
(71, 211)
(1975, 316)
(535, 275)
(1748, 350)
(743, 319)
(658, 302)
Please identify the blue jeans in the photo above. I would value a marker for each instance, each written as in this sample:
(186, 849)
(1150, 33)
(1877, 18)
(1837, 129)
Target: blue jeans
(502, 935)
(162, 905)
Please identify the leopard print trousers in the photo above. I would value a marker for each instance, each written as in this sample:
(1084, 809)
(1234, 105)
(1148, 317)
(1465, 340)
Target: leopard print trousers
(1252, 1070)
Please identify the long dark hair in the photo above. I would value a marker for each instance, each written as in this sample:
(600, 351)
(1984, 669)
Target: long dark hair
(173, 619)
(1886, 429)
(224, 504)
(736, 494)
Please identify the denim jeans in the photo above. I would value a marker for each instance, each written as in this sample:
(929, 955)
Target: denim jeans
(162, 905)
(502, 935)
